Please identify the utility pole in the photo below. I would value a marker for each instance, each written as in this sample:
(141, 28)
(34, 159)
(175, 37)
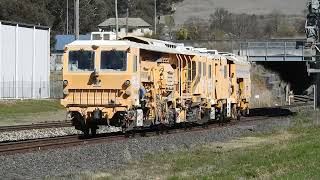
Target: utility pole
(127, 20)
(77, 16)
(117, 22)
(67, 16)
(155, 17)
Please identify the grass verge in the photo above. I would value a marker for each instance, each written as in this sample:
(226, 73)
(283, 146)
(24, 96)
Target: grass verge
(8, 108)
(291, 153)
(30, 111)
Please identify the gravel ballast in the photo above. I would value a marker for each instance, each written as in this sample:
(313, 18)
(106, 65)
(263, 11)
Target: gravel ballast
(47, 133)
(112, 155)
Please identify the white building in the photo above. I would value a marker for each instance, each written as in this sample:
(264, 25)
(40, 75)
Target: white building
(24, 61)
(136, 26)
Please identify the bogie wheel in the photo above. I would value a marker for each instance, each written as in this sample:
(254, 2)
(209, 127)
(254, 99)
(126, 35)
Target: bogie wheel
(238, 115)
(126, 134)
(93, 131)
(223, 118)
(86, 132)
(184, 126)
(234, 113)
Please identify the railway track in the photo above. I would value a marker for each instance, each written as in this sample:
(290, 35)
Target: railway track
(51, 143)
(36, 126)
(26, 146)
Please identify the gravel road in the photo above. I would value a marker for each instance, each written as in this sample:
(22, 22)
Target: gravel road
(112, 155)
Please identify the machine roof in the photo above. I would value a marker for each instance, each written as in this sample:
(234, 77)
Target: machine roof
(157, 46)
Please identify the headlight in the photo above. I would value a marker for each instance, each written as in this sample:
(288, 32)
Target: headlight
(127, 83)
(65, 82)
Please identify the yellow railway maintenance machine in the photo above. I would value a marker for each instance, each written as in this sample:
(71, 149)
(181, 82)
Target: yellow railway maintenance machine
(138, 83)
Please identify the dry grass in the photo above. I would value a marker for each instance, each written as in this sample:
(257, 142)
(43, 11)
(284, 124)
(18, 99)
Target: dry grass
(188, 165)
(283, 154)
(268, 95)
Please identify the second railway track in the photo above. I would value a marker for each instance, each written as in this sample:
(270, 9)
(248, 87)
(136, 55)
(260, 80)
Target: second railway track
(43, 125)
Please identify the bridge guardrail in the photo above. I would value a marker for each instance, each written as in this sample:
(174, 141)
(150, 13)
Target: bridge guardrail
(274, 51)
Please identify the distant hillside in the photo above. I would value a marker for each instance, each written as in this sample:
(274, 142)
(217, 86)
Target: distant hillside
(203, 8)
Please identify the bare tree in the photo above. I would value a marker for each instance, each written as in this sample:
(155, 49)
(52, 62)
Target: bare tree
(221, 19)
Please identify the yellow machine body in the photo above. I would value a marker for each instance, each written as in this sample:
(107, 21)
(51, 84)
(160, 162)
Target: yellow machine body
(136, 82)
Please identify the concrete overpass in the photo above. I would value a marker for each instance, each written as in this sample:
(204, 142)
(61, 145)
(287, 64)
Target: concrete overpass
(275, 51)
(291, 60)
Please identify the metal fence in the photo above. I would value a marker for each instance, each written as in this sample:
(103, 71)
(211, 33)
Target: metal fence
(273, 51)
(24, 89)
(31, 90)
(56, 89)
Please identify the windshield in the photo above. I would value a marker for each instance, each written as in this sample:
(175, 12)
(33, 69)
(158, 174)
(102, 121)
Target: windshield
(81, 60)
(114, 60)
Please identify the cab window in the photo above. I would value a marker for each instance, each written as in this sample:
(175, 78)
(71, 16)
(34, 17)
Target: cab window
(114, 60)
(81, 60)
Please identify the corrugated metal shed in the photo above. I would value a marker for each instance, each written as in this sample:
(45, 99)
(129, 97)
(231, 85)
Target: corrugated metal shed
(24, 61)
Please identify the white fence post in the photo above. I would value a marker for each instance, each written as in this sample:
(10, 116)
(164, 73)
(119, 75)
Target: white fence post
(48, 65)
(33, 63)
(16, 63)
(1, 79)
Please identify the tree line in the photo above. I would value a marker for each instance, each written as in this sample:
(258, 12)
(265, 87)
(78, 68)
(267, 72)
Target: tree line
(53, 13)
(222, 24)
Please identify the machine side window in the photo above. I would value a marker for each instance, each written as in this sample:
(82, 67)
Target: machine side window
(225, 72)
(114, 60)
(194, 70)
(210, 71)
(199, 69)
(81, 60)
(135, 64)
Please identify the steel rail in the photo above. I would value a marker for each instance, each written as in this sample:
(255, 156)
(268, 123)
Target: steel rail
(43, 125)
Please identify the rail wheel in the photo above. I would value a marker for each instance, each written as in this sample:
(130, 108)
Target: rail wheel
(93, 131)
(238, 115)
(234, 113)
(221, 119)
(86, 132)
(223, 115)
